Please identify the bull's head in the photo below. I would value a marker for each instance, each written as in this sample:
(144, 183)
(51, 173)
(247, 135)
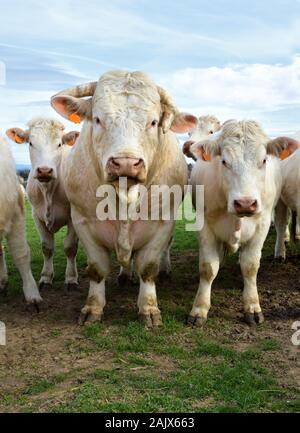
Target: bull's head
(128, 115)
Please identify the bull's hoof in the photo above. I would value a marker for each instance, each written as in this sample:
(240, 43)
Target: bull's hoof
(71, 287)
(33, 307)
(152, 320)
(45, 286)
(253, 319)
(86, 317)
(196, 321)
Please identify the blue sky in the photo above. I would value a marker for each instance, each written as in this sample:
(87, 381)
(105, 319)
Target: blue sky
(229, 58)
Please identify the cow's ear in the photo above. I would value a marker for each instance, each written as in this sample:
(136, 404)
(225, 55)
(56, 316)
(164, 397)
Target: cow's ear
(183, 122)
(199, 151)
(73, 109)
(70, 138)
(18, 135)
(282, 147)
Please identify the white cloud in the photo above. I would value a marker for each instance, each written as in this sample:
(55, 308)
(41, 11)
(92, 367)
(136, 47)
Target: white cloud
(236, 90)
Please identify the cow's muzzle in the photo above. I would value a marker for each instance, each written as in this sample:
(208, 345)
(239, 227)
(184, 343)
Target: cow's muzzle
(245, 206)
(44, 174)
(125, 167)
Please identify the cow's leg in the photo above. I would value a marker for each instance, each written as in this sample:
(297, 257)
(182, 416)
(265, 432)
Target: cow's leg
(47, 240)
(209, 263)
(281, 223)
(298, 227)
(3, 270)
(165, 264)
(98, 269)
(20, 252)
(147, 267)
(250, 261)
(70, 248)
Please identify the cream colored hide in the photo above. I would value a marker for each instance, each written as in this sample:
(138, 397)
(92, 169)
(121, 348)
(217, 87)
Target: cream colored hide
(49, 146)
(127, 132)
(12, 226)
(242, 184)
(290, 199)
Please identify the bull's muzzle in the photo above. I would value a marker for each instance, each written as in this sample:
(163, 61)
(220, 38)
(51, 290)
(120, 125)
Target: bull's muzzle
(44, 174)
(125, 167)
(245, 206)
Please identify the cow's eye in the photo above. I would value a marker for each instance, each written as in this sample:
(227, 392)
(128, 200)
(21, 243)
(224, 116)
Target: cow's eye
(211, 132)
(154, 123)
(97, 121)
(224, 162)
(59, 145)
(30, 144)
(264, 161)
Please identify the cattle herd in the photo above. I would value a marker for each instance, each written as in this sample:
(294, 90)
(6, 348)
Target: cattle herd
(129, 131)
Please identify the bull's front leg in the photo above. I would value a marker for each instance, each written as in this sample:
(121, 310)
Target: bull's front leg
(281, 225)
(209, 263)
(98, 269)
(70, 248)
(147, 266)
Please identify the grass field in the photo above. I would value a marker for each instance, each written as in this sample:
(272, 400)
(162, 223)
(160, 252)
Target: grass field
(52, 364)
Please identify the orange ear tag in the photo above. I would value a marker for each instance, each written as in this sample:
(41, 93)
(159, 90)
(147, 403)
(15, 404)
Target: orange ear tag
(75, 118)
(284, 154)
(206, 156)
(19, 139)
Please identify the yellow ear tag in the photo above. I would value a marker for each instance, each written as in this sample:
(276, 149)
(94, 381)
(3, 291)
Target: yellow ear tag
(206, 156)
(75, 118)
(284, 154)
(18, 139)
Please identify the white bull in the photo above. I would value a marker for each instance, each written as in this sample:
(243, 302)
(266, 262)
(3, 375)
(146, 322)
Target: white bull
(127, 132)
(12, 226)
(242, 184)
(49, 147)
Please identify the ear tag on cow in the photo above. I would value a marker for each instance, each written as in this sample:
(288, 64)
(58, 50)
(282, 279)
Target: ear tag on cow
(285, 154)
(18, 139)
(75, 118)
(206, 156)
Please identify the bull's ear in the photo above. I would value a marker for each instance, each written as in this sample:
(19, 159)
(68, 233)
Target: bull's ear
(282, 147)
(18, 135)
(73, 109)
(183, 122)
(70, 138)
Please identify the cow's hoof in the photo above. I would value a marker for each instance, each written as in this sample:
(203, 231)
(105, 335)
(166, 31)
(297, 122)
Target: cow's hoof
(152, 320)
(87, 317)
(45, 286)
(123, 280)
(196, 321)
(3, 288)
(71, 287)
(33, 307)
(279, 259)
(252, 319)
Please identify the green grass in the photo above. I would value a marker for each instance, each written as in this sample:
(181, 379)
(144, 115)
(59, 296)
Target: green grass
(175, 368)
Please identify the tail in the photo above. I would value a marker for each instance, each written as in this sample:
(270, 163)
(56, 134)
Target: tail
(293, 226)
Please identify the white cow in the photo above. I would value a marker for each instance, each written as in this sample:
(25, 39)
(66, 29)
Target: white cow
(206, 126)
(289, 199)
(12, 226)
(49, 147)
(127, 132)
(242, 184)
